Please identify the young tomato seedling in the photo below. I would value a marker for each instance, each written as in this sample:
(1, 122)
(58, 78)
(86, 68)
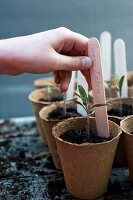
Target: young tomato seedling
(119, 83)
(85, 104)
(64, 96)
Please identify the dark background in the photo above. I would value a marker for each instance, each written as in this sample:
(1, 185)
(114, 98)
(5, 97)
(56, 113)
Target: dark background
(88, 17)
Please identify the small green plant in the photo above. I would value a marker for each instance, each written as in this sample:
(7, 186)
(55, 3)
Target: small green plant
(49, 89)
(107, 85)
(64, 96)
(83, 96)
(85, 100)
(85, 104)
(119, 83)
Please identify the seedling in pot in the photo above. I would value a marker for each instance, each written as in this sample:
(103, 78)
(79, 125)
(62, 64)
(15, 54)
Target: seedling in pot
(108, 89)
(119, 83)
(85, 104)
(50, 95)
(64, 100)
(49, 90)
(81, 81)
(85, 100)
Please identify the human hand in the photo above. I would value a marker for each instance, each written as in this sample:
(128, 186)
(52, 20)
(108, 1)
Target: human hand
(59, 50)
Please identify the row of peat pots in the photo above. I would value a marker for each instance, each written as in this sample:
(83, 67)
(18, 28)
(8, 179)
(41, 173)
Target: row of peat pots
(85, 158)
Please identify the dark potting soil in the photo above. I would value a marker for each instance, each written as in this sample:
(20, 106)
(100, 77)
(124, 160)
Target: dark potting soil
(126, 110)
(59, 114)
(27, 171)
(51, 99)
(82, 137)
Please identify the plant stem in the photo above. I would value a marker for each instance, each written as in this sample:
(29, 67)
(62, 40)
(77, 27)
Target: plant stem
(64, 108)
(88, 122)
(49, 91)
(120, 106)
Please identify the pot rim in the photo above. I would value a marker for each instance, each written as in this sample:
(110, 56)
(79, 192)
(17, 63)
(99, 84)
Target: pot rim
(30, 97)
(124, 131)
(85, 144)
(118, 99)
(37, 81)
(54, 106)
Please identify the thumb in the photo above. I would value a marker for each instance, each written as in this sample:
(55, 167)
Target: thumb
(74, 63)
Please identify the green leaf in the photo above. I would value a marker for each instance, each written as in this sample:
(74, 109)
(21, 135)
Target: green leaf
(49, 89)
(77, 95)
(106, 85)
(83, 94)
(121, 83)
(77, 102)
(50, 84)
(117, 80)
(82, 91)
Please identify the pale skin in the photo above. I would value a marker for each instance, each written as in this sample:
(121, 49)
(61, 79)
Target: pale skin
(60, 51)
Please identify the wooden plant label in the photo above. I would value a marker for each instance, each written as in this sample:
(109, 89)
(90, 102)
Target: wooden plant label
(105, 41)
(120, 63)
(81, 81)
(98, 88)
(70, 91)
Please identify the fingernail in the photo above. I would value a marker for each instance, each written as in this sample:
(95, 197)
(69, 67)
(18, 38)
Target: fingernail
(86, 62)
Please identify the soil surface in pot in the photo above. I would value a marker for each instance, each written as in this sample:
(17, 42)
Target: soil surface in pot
(51, 99)
(82, 137)
(27, 171)
(58, 114)
(125, 111)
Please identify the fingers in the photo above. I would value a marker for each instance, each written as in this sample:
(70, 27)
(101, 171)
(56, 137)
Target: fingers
(57, 77)
(73, 63)
(65, 80)
(66, 40)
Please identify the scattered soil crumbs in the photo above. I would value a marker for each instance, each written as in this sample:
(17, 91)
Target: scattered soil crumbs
(82, 137)
(126, 110)
(59, 114)
(28, 173)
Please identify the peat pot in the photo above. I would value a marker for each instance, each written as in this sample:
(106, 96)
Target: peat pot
(47, 126)
(120, 158)
(86, 166)
(127, 128)
(40, 98)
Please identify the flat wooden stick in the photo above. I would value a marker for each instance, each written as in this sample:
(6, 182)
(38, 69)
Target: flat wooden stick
(98, 88)
(105, 41)
(120, 63)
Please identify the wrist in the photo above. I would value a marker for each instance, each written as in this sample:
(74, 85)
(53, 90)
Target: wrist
(9, 62)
